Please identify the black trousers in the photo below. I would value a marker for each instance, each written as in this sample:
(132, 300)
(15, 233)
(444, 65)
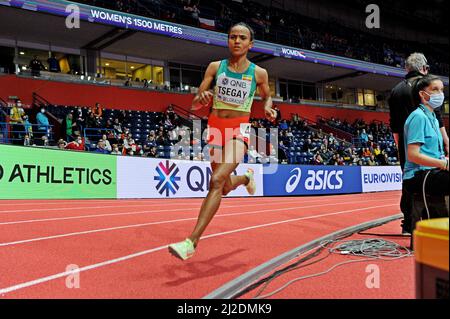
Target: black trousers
(434, 204)
(436, 183)
(407, 198)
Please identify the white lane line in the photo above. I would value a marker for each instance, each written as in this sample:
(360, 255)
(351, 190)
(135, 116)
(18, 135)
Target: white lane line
(27, 202)
(148, 211)
(148, 224)
(85, 208)
(145, 252)
(26, 221)
(181, 202)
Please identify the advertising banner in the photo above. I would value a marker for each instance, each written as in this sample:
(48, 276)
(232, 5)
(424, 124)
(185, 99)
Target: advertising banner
(34, 173)
(290, 180)
(165, 178)
(381, 178)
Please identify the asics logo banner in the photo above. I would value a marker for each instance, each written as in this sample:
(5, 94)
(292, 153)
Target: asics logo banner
(323, 179)
(293, 181)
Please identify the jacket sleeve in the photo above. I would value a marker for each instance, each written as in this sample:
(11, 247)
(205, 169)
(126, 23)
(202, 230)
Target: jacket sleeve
(394, 120)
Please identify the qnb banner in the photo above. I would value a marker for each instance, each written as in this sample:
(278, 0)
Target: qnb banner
(165, 178)
(33, 173)
(312, 180)
(381, 178)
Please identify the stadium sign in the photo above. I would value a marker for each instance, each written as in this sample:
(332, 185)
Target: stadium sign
(174, 30)
(35, 173)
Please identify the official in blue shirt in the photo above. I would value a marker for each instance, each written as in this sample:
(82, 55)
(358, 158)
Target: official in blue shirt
(426, 167)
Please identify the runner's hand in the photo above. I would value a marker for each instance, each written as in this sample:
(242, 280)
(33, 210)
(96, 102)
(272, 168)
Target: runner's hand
(271, 114)
(204, 99)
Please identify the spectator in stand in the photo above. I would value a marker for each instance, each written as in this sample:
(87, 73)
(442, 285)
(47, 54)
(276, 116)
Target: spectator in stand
(366, 152)
(16, 121)
(152, 152)
(318, 160)
(115, 150)
(372, 161)
(62, 144)
(364, 137)
(76, 145)
(331, 139)
(97, 110)
(28, 127)
(168, 123)
(43, 123)
(377, 152)
(80, 118)
(68, 126)
(91, 121)
(101, 147)
(27, 140)
(283, 125)
(53, 64)
(36, 66)
(308, 147)
(107, 143)
(160, 139)
(117, 127)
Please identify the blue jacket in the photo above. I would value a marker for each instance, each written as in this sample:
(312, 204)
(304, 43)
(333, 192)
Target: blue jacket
(42, 121)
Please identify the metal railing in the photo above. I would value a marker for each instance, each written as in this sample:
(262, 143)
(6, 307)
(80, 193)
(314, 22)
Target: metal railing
(323, 124)
(92, 135)
(26, 134)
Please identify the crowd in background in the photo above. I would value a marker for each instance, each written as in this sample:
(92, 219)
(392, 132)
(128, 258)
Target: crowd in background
(284, 27)
(88, 129)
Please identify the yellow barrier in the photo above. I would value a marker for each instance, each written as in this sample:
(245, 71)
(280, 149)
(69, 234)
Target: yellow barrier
(432, 253)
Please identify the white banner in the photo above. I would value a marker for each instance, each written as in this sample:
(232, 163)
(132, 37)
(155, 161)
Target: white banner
(381, 178)
(139, 177)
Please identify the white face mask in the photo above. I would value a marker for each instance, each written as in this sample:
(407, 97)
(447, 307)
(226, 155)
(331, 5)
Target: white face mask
(42, 110)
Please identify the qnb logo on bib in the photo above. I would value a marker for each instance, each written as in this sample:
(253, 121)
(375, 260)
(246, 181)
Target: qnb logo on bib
(293, 181)
(323, 179)
(232, 91)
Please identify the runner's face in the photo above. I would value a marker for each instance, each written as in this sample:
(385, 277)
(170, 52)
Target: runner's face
(239, 41)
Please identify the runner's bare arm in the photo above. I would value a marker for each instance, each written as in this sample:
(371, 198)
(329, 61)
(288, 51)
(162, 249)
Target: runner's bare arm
(262, 80)
(205, 95)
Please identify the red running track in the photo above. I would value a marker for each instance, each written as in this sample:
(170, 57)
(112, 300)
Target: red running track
(120, 246)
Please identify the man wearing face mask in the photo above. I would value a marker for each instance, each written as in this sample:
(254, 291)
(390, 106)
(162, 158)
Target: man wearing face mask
(426, 167)
(402, 102)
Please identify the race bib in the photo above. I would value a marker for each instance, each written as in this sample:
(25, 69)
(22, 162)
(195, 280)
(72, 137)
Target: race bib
(233, 91)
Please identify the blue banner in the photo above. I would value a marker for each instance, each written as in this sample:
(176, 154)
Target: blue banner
(290, 180)
(174, 30)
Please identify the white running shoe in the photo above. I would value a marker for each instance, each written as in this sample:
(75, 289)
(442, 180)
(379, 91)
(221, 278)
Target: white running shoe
(184, 249)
